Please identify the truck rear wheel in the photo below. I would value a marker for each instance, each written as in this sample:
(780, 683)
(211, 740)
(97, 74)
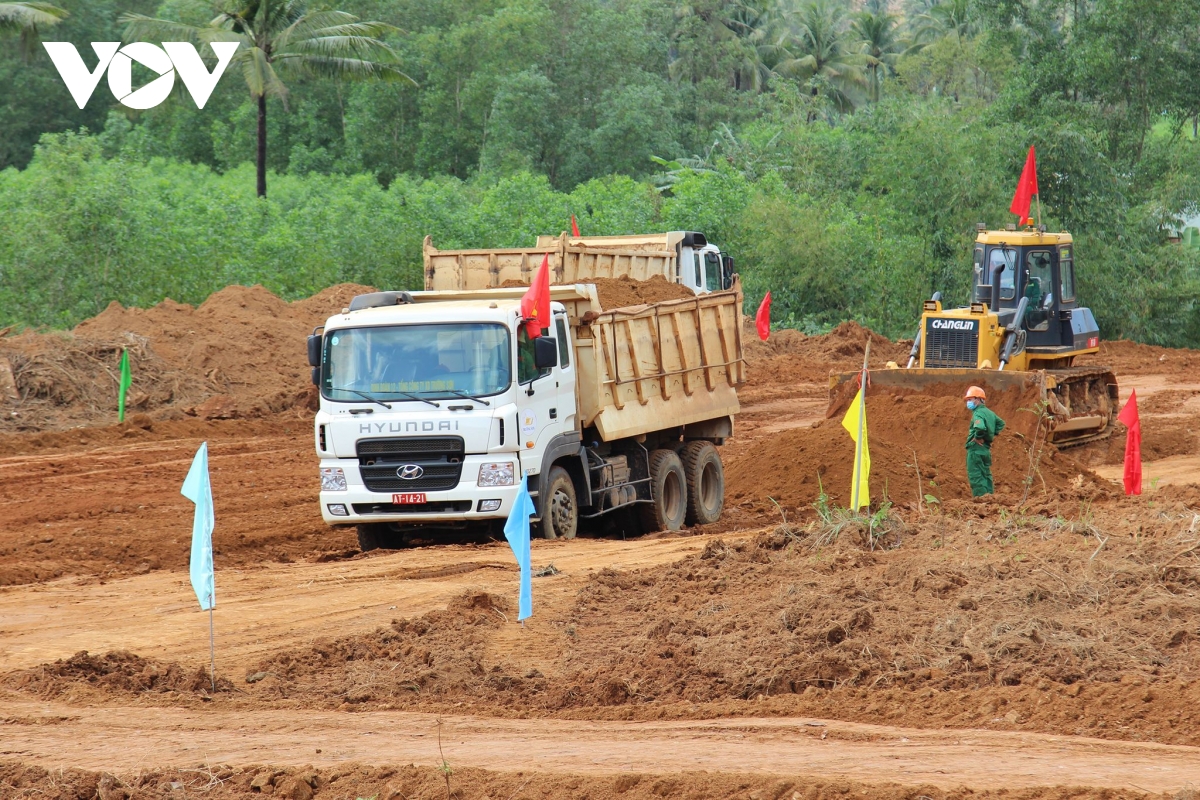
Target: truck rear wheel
(705, 482)
(560, 511)
(668, 488)
(379, 536)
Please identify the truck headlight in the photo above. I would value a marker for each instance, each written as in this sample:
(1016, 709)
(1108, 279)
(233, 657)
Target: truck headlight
(499, 474)
(333, 479)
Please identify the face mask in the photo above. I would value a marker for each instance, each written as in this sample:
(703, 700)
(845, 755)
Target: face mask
(972, 405)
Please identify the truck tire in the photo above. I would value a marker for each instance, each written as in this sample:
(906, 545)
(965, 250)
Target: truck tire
(560, 510)
(379, 536)
(668, 489)
(705, 482)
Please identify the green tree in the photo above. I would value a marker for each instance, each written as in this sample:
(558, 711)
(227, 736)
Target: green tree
(879, 40)
(281, 36)
(812, 44)
(25, 19)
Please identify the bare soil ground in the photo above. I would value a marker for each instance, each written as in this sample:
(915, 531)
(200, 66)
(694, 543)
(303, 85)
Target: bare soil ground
(1043, 643)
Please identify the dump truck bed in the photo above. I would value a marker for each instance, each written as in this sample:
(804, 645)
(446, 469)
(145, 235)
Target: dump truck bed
(572, 260)
(647, 367)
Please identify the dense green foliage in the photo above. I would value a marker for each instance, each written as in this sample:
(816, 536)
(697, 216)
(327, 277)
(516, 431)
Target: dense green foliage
(842, 154)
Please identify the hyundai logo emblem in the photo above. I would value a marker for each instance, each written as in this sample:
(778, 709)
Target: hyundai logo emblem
(410, 472)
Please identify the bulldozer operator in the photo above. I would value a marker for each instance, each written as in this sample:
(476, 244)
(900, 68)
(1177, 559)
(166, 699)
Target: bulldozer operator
(985, 427)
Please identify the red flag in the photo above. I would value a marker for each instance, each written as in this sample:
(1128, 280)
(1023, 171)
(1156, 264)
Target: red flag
(763, 318)
(1133, 445)
(1026, 188)
(535, 303)
(574, 227)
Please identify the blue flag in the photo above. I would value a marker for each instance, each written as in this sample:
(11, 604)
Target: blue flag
(197, 489)
(516, 530)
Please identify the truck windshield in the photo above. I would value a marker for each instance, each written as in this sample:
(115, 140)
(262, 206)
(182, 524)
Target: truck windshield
(433, 361)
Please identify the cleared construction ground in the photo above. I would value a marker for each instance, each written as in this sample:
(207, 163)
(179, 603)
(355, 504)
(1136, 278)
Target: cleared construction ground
(1035, 645)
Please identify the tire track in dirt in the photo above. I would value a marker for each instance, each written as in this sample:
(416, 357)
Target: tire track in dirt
(136, 738)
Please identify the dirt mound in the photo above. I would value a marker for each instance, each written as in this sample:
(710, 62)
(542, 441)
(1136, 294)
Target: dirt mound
(789, 357)
(627, 291)
(1053, 620)
(1133, 358)
(906, 433)
(224, 782)
(439, 655)
(243, 346)
(117, 672)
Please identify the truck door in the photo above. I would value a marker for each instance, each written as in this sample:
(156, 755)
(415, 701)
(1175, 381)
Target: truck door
(546, 400)
(1041, 314)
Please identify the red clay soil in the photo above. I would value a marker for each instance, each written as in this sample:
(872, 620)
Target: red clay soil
(626, 291)
(239, 354)
(1132, 358)
(907, 435)
(409, 782)
(1057, 621)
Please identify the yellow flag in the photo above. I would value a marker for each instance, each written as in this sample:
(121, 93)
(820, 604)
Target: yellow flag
(855, 422)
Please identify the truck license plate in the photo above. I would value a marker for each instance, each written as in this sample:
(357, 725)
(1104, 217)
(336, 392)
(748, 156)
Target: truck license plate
(408, 499)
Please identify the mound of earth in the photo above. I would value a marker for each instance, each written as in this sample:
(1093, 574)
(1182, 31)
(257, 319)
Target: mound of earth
(239, 354)
(118, 672)
(626, 291)
(1053, 621)
(790, 357)
(400, 782)
(909, 436)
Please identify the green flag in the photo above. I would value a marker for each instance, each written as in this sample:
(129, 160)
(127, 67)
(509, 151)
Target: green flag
(126, 382)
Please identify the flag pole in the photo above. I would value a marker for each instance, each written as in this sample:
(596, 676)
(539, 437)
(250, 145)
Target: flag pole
(212, 651)
(862, 424)
(1039, 201)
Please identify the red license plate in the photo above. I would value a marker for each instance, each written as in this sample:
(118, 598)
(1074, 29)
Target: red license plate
(408, 499)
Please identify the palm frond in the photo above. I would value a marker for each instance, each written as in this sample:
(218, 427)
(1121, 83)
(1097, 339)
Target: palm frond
(139, 27)
(27, 19)
(360, 47)
(16, 17)
(309, 24)
(260, 76)
(342, 67)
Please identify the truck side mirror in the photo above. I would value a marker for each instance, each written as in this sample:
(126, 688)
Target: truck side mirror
(316, 376)
(545, 353)
(314, 350)
(726, 272)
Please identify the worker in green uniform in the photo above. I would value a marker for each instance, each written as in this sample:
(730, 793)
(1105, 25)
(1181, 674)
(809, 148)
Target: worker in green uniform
(985, 426)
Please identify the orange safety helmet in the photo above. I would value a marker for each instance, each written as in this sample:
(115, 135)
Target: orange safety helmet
(975, 391)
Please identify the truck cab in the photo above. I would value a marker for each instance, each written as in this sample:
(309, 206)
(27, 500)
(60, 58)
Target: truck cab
(432, 413)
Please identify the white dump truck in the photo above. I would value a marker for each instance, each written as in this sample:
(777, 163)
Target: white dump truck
(685, 257)
(434, 404)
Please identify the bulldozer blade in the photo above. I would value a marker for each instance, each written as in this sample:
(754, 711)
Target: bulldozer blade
(1089, 394)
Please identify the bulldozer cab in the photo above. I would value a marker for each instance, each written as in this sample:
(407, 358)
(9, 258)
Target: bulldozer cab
(1034, 266)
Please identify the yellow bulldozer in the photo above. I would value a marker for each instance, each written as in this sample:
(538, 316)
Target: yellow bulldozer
(1022, 330)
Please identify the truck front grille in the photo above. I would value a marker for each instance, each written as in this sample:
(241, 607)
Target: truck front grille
(950, 348)
(436, 460)
(442, 507)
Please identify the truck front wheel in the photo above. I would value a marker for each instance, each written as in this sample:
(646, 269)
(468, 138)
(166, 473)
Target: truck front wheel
(705, 482)
(379, 535)
(560, 511)
(668, 489)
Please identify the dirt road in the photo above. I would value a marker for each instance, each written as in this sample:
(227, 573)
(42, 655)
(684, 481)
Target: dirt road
(278, 606)
(132, 739)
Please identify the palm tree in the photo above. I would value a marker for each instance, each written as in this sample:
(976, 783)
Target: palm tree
(741, 23)
(281, 36)
(26, 18)
(941, 19)
(812, 44)
(879, 42)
